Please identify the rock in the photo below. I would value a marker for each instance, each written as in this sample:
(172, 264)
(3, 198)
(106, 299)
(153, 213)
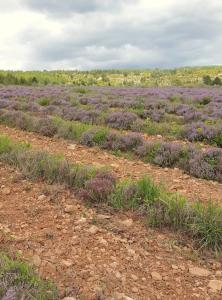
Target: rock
(159, 136)
(121, 296)
(131, 252)
(174, 267)
(67, 263)
(69, 209)
(215, 285)
(156, 276)
(69, 298)
(93, 229)
(36, 260)
(134, 277)
(118, 275)
(41, 197)
(103, 241)
(6, 191)
(115, 166)
(135, 290)
(218, 273)
(81, 221)
(127, 222)
(103, 217)
(196, 271)
(71, 147)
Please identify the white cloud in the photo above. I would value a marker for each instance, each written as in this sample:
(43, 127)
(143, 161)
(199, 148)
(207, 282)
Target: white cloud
(86, 34)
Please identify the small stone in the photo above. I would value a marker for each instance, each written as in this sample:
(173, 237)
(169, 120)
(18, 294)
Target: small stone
(6, 191)
(156, 276)
(131, 252)
(218, 273)
(127, 222)
(36, 260)
(215, 285)
(81, 221)
(69, 209)
(115, 166)
(121, 296)
(93, 229)
(69, 298)
(159, 136)
(118, 275)
(71, 147)
(103, 217)
(135, 290)
(41, 197)
(103, 241)
(134, 277)
(196, 271)
(67, 263)
(174, 267)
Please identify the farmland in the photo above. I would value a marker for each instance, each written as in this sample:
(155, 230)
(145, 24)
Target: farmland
(113, 180)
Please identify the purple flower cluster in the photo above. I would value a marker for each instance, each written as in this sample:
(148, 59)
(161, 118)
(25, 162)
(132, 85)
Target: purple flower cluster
(121, 120)
(207, 165)
(99, 188)
(201, 132)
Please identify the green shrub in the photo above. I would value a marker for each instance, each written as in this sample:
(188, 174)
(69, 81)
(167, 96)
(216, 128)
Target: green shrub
(18, 281)
(43, 101)
(205, 225)
(69, 129)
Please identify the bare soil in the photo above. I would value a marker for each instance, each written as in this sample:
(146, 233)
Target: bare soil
(96, 253)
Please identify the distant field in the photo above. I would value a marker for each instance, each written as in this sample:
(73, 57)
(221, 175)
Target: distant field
(187, 76)
(169, 127)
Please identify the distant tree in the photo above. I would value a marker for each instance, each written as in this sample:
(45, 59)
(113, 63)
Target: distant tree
(34, 80)
(217, 81)
(22, 80)
(143, 79)
(46, 82)
(207, 80)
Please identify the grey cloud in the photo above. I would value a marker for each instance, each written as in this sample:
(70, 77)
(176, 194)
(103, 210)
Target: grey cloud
(66, 8)
(179, 38)
(187, 34)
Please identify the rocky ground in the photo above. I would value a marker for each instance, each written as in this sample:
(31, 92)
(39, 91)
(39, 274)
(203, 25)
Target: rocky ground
(96, 253)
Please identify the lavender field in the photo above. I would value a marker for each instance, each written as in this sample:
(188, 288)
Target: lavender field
(169, 127)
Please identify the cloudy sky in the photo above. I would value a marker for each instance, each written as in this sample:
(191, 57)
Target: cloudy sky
(103, 34)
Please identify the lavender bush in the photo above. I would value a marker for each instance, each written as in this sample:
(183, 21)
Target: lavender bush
(207, 165)
(99, 188)
(169, 155)
(121, 120)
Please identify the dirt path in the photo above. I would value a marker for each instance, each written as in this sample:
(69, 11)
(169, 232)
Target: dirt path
(174, 179)
(89, 252)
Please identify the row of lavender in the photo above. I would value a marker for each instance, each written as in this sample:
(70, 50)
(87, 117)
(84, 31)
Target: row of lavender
(205, 164)
(194, 114)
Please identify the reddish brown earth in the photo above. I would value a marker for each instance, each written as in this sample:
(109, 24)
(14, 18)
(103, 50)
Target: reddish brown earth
(173, 179)
(92, 252)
